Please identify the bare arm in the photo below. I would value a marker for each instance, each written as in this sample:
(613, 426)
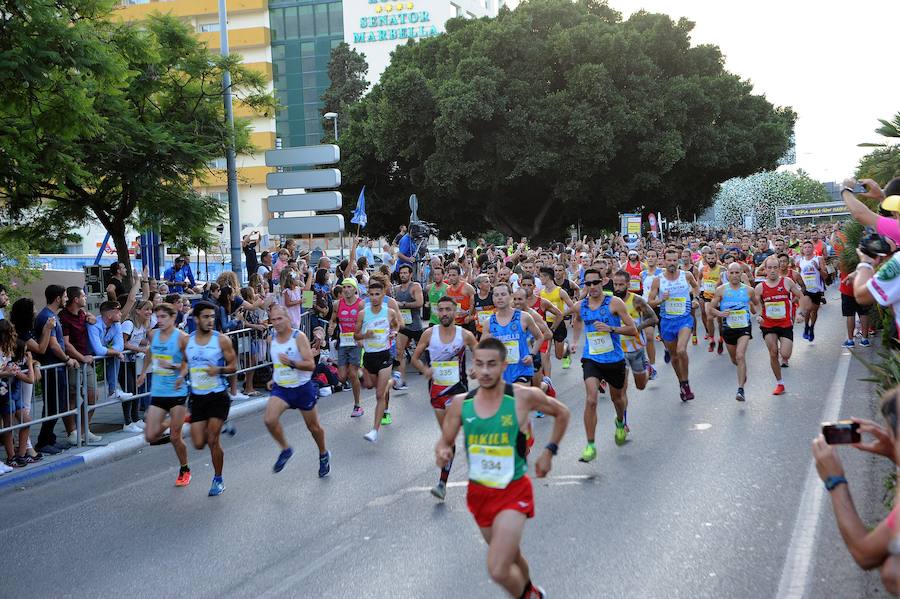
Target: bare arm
(649, 319)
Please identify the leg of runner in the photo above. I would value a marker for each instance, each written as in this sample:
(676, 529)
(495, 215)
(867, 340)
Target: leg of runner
(678, 350)
(352, 371)
(311, 418)
(620, 403)
(274, 409)
(771, 340)
(592, 390)
(738, 354)
(651, 355)
(402, 344)
(785, 349)
(505, 562)
(382, 389)
(440, 489)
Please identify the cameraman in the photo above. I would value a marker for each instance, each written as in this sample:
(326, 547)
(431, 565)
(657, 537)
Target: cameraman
(405, 251)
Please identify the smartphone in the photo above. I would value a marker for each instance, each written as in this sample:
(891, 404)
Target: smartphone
(859, 188)
(842, 432)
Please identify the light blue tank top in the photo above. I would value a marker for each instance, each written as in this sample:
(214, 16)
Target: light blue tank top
(162, 383)
(199, 358)
(601, 347)
(738, 302)
(516, 342)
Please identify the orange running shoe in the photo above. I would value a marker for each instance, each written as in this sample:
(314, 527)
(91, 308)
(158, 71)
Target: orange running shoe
(779, 390)
(184, 479)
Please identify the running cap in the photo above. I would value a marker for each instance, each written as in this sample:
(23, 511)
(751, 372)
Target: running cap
(350, 281)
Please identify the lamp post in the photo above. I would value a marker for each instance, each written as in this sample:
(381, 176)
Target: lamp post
(333, 116)
(234, 216)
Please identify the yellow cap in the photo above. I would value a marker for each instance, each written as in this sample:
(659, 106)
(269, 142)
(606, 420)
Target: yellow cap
(891, 204)
(350, 281)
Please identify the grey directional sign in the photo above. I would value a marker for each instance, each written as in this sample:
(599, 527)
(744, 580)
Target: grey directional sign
(317, 179)
(301, 202)
(304, 156)
(307, 225)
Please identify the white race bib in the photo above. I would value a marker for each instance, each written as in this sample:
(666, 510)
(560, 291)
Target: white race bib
(676, 306)
(379, 342)
(446, 374)
(634, 285)
(512, 351)
(599, 342)
(776, 310)
(285, 375)
(737, 319)
(201, 381)
(160, 363)
(709, 287)
(810, 280)
(491, 466)
(484, 318)
(347, 340)
(407, 316)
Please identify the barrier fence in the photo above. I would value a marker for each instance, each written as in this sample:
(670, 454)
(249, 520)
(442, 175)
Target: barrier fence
(74, 394)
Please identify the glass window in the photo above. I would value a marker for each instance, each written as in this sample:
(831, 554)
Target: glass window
(292, 49)
(321, 19)
(217, 163)
(276, 23)
(311, 94)
(309, 80)
(308, 63)
(278, 52)
(221, 196)
(310, 111)
(307, 26)
(207, 27)
(336, 42)
(290, 23)
(313, 139)
(336, 19)
(282, 129)
(307, 49)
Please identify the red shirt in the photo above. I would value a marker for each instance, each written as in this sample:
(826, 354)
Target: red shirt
(776, 299)
(75, 328)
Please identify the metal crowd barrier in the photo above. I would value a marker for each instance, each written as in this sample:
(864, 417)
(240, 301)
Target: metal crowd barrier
(51, 391)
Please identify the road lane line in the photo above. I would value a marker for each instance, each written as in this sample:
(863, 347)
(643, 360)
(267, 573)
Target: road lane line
(798, 563)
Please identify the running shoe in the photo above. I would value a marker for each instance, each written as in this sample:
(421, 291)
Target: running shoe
(538, 414)
(184, 479)
(371, 436)
(401, 386)
(708, 338)
(346, 385)
(812, 335)
(658, 338)
(229, 429)
(712, 346)
(439, 490)
(693, 339)
(551, 391)
(739, 396)
(602, 386)
(864, 342)
(386, 419)
(283, 458)
(539, 591)
(849, 343)
(721, 346)
(325, 464)
(667, 357)
(357, 412)
(218, 487)
(779, 389)
(620, 433)
(652, 372)
(785, 364)
(689, 395)
(397, 380)
(806, 333)
(588, 455)
(566, 362)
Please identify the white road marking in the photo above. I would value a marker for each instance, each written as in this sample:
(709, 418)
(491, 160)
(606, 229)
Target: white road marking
(701, 426)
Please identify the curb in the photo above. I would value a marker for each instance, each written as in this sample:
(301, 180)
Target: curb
(107, 453)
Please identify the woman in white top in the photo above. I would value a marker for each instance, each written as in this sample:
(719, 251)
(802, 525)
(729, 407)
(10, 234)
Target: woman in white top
(134, 332)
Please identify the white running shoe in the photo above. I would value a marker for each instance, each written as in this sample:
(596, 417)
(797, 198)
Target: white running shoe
(239, 396)
(371, 436)
(92, 438)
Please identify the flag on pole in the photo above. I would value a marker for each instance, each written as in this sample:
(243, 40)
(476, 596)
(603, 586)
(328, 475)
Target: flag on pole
(359, 215)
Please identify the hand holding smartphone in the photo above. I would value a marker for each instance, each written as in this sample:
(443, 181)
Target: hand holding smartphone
(842, 432)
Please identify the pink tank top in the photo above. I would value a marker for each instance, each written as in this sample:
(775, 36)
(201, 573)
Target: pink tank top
(347, 315)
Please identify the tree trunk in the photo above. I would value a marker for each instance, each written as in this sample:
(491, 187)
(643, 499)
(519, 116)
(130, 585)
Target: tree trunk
(117, 233)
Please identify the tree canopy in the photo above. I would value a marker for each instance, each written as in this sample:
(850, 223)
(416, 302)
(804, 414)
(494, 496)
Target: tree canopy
(760, 193)
(883, 163)
(553, 113)
(347, 70)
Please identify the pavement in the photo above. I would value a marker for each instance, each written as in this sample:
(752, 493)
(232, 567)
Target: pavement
(712, 498)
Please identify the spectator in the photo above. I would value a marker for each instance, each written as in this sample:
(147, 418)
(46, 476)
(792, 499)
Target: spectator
(108, 343)
(136, 339)
(265, 268)
(882, 287)
(22, 317)
(886, 226)
(248, 244)
(4, 300)
(404, 252)
(176, 275)
(75, 320)
(116, 285)
(292, 296)
(322, 304)
(399, 235)
(387, 257)
(365, 251)
(16, 370)
(255, 319)
(54, 354)
(284, 257)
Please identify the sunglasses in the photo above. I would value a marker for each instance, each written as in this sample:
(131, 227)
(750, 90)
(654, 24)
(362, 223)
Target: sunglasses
(591, 283)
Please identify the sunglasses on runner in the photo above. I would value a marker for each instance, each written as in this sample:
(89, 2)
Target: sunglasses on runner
(591, 283)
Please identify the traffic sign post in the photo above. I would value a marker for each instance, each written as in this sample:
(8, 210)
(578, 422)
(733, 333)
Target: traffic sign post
(305, 156)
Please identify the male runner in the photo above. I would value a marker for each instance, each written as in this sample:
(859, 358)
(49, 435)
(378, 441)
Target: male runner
(166, 359)
(776, 294)
(604, 318)
(634, 268)
(557, 297)
(733, 302)
(409, 297)
(209, 355)
(711, 277)
(812, 272)
(651, 271)
(483, 302)
(374, 326)
(644, 318)
(494, 419)
(512, 328)
(292, 388)
(436, 290)
(672, 292)
(446, 372)
(463, 294)
(349, 352)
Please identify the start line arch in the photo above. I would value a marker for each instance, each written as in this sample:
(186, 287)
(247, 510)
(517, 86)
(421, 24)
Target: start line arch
(821, 209)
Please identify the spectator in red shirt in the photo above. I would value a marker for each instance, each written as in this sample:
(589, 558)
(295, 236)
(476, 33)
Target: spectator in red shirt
(74, 319)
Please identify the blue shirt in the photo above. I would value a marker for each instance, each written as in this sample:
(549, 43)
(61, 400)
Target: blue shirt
(179, 277)
(367, 252)
(102, 337)
(39, 322)
(405, 248)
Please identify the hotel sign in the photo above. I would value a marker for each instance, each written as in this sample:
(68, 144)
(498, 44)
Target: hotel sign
(393, 21)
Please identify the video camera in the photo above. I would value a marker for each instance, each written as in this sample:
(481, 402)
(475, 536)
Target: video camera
(419, 232)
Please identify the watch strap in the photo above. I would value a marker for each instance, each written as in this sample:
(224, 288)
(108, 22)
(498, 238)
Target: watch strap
(832, 482)
(553, 448)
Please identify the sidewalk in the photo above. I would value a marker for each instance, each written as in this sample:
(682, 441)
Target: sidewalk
(116, 444)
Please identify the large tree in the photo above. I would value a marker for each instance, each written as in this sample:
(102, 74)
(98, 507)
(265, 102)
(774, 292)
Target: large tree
(553, 113)
(347, 70)
(162, 123)
(883, 163)
(759, 194)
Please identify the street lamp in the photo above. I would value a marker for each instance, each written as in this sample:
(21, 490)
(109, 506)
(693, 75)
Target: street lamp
(333, 116)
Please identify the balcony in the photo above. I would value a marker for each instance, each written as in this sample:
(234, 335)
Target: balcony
(252, 37)
(187, 8)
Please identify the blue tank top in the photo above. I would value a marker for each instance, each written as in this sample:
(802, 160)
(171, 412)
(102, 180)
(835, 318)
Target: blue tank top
(599, 346)
(162, 383)
(516, 342)
(199, 358)
(738, 302)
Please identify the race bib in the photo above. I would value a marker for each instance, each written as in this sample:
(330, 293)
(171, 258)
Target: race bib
(160, 363)
(676, 306)
(709, 287)
(776, 310)
(512, 351)
(491, 466)
(737, 319)
(200, 381)
(377, 343)
(484, 318)
(407, 316)
(285, 375)
(347, 340)
(599, 342)
(810, 280)
(434, 309)
(446, 374)
(634, 285)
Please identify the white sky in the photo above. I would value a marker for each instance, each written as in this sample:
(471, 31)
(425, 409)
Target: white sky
(830, 60)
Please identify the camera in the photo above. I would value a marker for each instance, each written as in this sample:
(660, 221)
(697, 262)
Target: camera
(874, 245)
(842, 432)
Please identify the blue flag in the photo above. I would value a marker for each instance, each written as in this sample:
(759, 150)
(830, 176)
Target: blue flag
(359, 215)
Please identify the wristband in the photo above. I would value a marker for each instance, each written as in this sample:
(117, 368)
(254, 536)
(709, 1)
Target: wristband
(553, 448)
(843, 189)
(832, 482)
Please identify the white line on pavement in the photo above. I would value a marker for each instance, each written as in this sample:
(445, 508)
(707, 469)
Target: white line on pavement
(798, 563)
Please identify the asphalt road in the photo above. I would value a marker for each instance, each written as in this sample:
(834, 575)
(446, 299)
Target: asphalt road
(702, 502)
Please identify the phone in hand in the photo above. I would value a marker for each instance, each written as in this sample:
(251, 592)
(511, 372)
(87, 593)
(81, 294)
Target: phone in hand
(859, 188)
(842, 432)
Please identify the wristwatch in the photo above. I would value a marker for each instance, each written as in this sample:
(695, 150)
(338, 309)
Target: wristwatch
(832, 482)
(552, 448)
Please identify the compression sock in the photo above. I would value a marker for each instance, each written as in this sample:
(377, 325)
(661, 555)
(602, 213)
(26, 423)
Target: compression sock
(184, 468)
(445, 471)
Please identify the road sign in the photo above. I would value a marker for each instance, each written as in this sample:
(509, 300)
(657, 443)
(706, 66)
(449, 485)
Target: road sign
(317, 179)
(307, 225)
(299, 202)
(304, 156)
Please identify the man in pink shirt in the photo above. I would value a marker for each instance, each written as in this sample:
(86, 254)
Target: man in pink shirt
(886, 226)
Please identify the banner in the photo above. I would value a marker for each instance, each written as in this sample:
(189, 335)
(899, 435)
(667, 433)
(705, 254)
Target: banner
(811, 210)
(631, 223)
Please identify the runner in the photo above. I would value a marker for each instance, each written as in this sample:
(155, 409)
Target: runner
(463, 294)
(409, 297)
(436, 290)
(446, 372)
(777, 318)
(513, 327)
(687, 265)
(651, 272)
(484, 302)
(557, 297)
(292, 388)
(812, 271)
(634, 268)
(494, 418)
(543, 307)
(604, 319)
(209, 354)
(165, 398)
(349, 351)
(644, 318)
(672, 292)
(733, 302)
(712, 276)
(374, 326)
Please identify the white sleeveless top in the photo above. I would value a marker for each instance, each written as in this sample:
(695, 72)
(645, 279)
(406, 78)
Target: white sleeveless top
(286, 376)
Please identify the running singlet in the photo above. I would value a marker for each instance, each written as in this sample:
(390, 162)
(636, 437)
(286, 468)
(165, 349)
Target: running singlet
(379, 324)
(201, 357)
(516, 342)
(555, 298)
(679, 302)
(601, 346)
(634, 283)
(162, 383)
(483, 310)
(284, 375)
(463, 302)
(495, 445)
(647, 280)
(435, 293)
(411, 316)
(629, 343)
(776, 306)
(712, 278)
(809, 272)
(737, 303)
(346, 318)
(448, 364)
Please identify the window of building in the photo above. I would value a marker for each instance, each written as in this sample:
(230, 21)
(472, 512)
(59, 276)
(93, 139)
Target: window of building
(221, 196)
(291, 25)
(218, 163)
(207, 27)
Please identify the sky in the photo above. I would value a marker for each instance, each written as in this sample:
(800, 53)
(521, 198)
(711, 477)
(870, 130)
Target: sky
(830, 60)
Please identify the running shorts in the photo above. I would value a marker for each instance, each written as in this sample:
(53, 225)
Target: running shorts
(412, 334)
(538, 362)
(782, 332)
(302, 398)
(850, 307)
(636, 360)
(349, 355)
(211, 405)
(485, 503)
(670, 327)
(731, 336)
(613, 373)
(815, 296)
(167, 403)
(375, 362)
(560, 334)
(442, 396)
